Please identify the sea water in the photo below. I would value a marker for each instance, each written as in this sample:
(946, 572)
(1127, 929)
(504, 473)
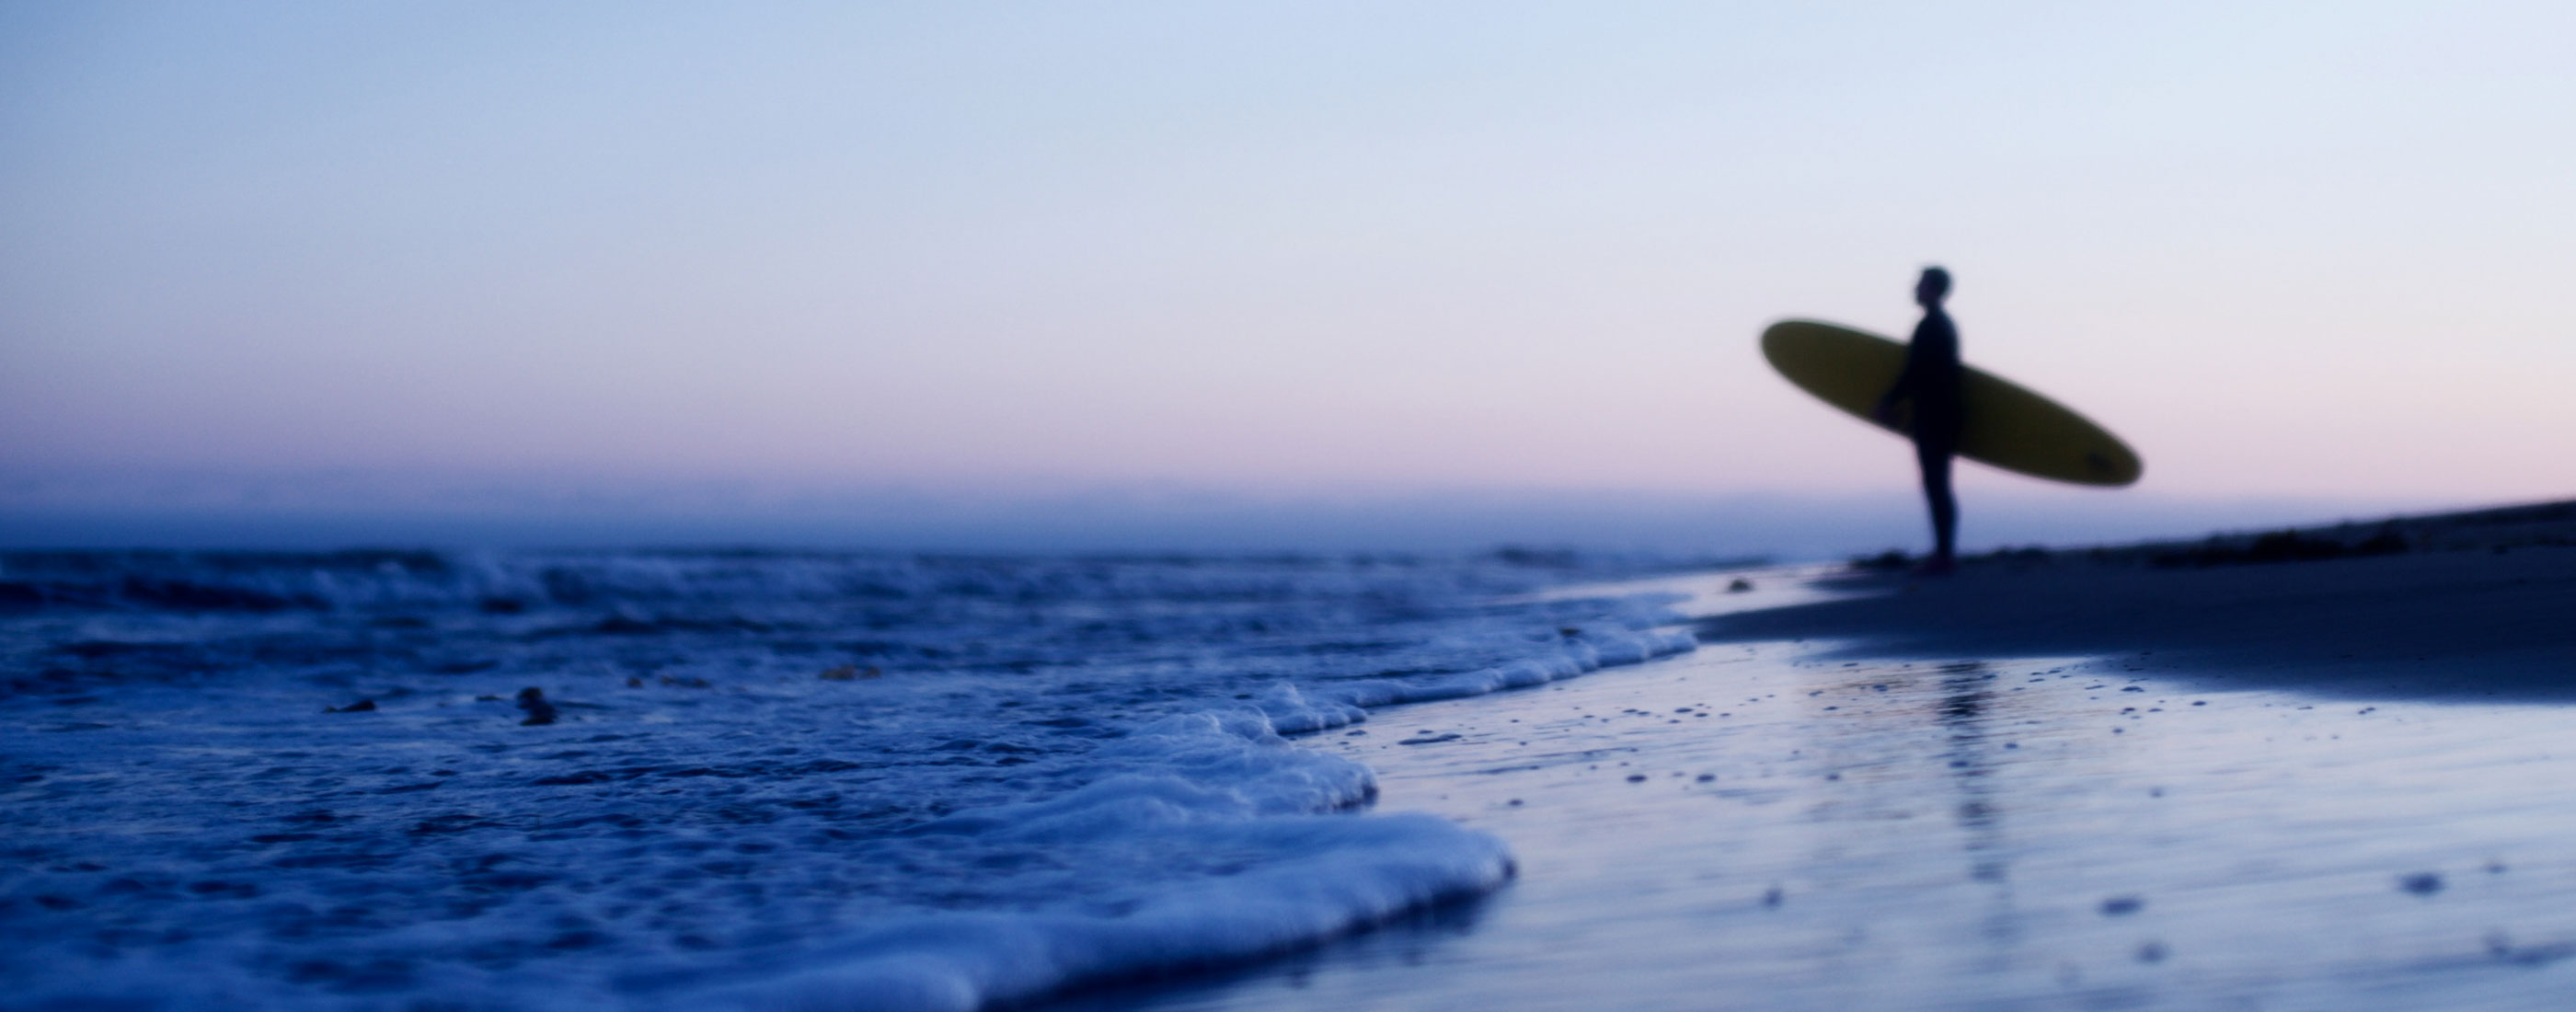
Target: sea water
(618, 780)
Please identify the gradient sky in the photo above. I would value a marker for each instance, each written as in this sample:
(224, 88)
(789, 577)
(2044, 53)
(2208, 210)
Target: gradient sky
(2285, 249)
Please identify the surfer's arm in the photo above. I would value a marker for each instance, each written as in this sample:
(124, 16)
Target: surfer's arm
(1902, 388)
(1932, 338)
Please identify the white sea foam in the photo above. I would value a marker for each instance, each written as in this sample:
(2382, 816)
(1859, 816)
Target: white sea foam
(1225, 785)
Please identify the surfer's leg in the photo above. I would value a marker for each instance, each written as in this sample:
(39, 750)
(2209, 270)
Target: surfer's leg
(1935, 459)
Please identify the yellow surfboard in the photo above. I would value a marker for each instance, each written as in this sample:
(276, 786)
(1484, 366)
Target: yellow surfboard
(2006, 425)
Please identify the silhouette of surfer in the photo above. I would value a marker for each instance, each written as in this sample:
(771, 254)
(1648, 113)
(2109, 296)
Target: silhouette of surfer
(1931, 381)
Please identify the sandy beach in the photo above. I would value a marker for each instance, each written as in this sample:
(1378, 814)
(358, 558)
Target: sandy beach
(2298, 770)
(2471, 605)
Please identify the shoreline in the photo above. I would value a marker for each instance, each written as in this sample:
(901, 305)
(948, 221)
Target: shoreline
(2481, 610)
(2071, 779)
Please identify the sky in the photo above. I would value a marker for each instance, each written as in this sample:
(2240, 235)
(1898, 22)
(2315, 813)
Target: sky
(704, 259)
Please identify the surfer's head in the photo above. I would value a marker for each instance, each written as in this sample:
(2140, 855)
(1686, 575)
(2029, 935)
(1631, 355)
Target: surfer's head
(1934, 287)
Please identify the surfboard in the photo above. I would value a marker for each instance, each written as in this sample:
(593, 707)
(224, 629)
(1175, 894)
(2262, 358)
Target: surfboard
(2006, 425)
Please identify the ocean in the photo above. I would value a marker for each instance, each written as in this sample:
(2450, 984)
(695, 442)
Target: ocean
(414, 779)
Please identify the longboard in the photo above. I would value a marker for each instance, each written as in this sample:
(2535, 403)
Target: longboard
(2006, 425)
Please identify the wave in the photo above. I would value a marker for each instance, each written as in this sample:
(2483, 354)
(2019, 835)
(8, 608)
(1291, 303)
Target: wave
(515, 581)
(771, 779)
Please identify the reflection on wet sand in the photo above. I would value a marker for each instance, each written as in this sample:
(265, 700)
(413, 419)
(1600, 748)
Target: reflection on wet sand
(1964, 698)
(1778, 826)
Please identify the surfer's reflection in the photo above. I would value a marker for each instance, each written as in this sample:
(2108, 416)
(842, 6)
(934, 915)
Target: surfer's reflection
(1967, 690)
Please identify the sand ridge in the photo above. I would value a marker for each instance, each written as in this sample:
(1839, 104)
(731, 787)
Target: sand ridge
(2485, 608)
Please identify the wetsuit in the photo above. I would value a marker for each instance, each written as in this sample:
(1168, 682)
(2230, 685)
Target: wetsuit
(1931, 381)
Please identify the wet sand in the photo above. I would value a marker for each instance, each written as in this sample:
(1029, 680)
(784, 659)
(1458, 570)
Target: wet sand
(2086, 782)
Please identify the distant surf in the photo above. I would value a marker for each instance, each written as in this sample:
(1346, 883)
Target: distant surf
(365, 779)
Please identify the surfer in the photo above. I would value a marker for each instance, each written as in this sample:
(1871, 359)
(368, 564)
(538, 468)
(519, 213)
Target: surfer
(1931, 381)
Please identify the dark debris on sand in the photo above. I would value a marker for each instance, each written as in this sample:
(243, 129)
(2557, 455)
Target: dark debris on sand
(533, 700)
(2493, 530)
